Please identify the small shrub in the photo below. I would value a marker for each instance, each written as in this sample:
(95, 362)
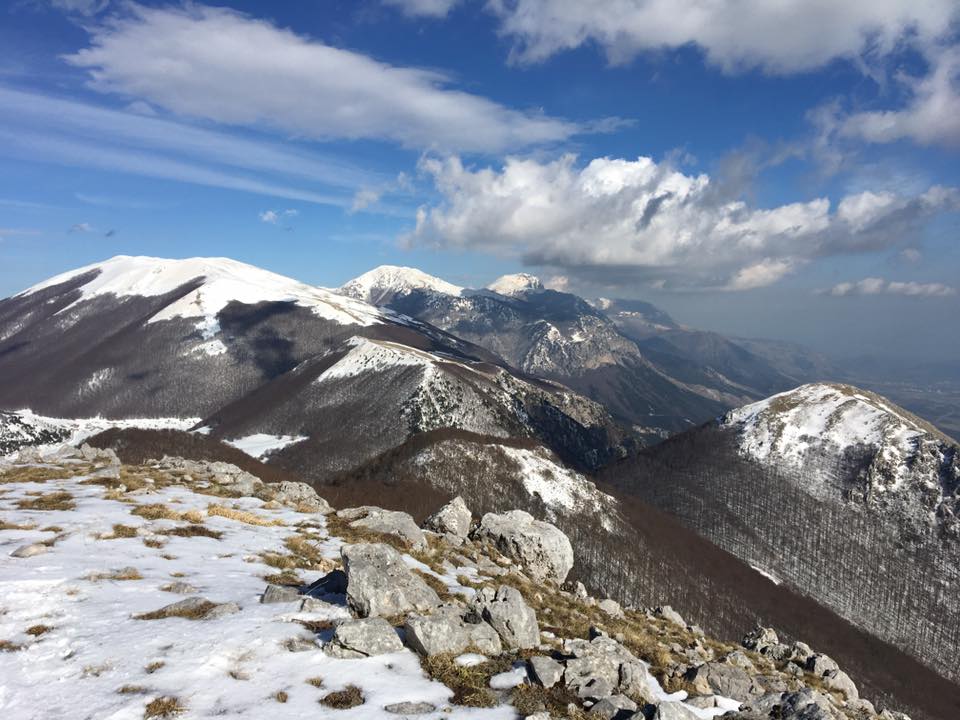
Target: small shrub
(351, 696)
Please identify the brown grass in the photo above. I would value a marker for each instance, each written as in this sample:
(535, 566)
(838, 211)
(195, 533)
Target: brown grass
(155, 511)
(38, 630)
(438, 586)
(351, 696)
(52, 528)
(153, 542)
(316, 626)
(37, 474)
(317, 681)
(163, 707)
(281, 696)
(59, 500)
(127, 573)
(193, 531)
(8, 646)
(122, 531)
(131, 690)
(241, 516)
(470, 685)
(195, 613)
(338, 527)
(153, 667)
(4, 525)
(287, 577)
(530, 699)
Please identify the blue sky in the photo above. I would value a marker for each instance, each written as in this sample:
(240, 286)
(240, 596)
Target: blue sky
(798, 185)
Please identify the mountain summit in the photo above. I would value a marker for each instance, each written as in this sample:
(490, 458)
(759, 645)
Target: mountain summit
(380, 285)
(515, 284)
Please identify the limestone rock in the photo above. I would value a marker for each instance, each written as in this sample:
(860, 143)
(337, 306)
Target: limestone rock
(545, 671)
(615, 707)
(508, 614)
(543, 550)
(452, 519)
(380, 583)
(446, 632)
(363, 638)
(279, 594)
(387, 522)
(300, 494)
(410, 708)
(26, 551)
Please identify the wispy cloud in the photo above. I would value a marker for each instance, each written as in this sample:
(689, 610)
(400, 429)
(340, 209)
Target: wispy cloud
(66, 132)
(880, 286)
(82, 227)
(423, 8)
(295, 84)
(276, 217)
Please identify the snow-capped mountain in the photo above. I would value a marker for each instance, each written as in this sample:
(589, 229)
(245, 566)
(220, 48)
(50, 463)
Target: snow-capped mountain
(380, 285)
(515, 284)
(251, 352)
(836, 492)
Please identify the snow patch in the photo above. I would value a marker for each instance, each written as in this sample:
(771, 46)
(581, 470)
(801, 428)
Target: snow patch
(516, 284)
(261, 444)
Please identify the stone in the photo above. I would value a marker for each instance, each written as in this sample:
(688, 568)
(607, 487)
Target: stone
(599, 659)
(508, 614)
(445, 631)
(674, 711)
(668, 613)
(615, 707)
(391, 522)
(721, 679)
(221, 610)
(363, 638)
(26, 551)
(820, 665)
(545, 670)
(380, 583)
(410, 708)
(180, 588)
(279, 594)
(611, 608)
(454, 519)
(580, 592)
(541, 548)
(840, 682)
(300, 495)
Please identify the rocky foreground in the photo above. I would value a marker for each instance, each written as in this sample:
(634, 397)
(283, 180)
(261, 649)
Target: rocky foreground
(181, 588)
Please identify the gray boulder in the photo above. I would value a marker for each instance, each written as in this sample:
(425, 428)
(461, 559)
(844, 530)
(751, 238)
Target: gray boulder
(26, 551)
(543, 550)
(668, 613)
(380, 583)
(508, 614)
(279, 594)
(446, 632)
(545, 671)
(714, 678)
(300, 495)
(603, 663)
(674, 711)
(454, 518)
(386, 522)
(410, 708)
(363, 638)
(611, 608)
(615, 707)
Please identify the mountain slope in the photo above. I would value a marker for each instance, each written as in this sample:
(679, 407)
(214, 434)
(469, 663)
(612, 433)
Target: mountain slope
(252, 352)
(834, 491)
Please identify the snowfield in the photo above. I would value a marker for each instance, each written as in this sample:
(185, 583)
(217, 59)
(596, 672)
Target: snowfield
(261, 444)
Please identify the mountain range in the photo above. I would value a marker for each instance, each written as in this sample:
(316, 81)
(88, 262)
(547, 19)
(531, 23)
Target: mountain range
(726, 476)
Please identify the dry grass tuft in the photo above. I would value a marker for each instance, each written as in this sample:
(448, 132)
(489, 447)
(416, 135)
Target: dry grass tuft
(59, 500)
(287, 577)
(153, 667)
(8, 646)
(193, 531)
(40, 474)
(196, 612)
(52, 528)
(127, 573)
(351, 696)
(38, 630)
(470, 685)
(241, 516)
(152, 542)
(316, 626)
(4, 525)
(317, 682)
(281, 696)
(558, 701)
(155, 511)
(131, 690)
(163, 707)
(122, 531)
(438, 586)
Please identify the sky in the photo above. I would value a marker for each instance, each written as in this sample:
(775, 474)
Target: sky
(786, 170)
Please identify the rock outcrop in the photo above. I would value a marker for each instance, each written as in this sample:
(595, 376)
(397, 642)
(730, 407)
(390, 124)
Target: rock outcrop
(380, 583)
(541, 548)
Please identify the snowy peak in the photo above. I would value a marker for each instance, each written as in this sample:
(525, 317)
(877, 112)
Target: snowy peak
(515, 284)
(221, 281)
(380, 285)
(827, 420)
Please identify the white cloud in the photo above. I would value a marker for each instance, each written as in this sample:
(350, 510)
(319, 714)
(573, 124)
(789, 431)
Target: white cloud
(423, 8)
(222, 65)
(274, 217)
(80, 7)
(880, 286)
(628, 220)
(930, 117)
(910, 255)
(81, 228)
(780, 37)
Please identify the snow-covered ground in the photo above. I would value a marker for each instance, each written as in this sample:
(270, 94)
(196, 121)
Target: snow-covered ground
(261, 444)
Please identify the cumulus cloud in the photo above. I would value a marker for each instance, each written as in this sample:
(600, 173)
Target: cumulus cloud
(733, 34)
(423, 8)
(629, 220)
(931, 116)
(880, 286)
(222, 65)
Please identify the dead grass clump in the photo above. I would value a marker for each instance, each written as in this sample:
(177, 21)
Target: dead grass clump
(38, 630)
(558, 701)
(317, 681)
(193, 531)
(39, 474)
(122, 531)
(127, 573)
(155, 543)
(316, 626)
(287, 577)
(52, 528)
(351, 696)
(470, 685)
(279, 561)
(306, 554)
(59, 500)
(8, 646)
(189, 612)
(338, 527)
(153, 667)
(241, 516)
(131, 690)
(281, 696)
(155, 511)
(163, 707)
(5, 525)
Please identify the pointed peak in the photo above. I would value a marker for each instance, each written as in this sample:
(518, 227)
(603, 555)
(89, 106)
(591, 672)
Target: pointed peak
(515, 284)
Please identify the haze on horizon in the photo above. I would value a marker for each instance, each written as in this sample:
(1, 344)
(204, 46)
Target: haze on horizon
(803, 188)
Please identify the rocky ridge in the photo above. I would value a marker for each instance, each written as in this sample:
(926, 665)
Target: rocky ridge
(459, 614)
